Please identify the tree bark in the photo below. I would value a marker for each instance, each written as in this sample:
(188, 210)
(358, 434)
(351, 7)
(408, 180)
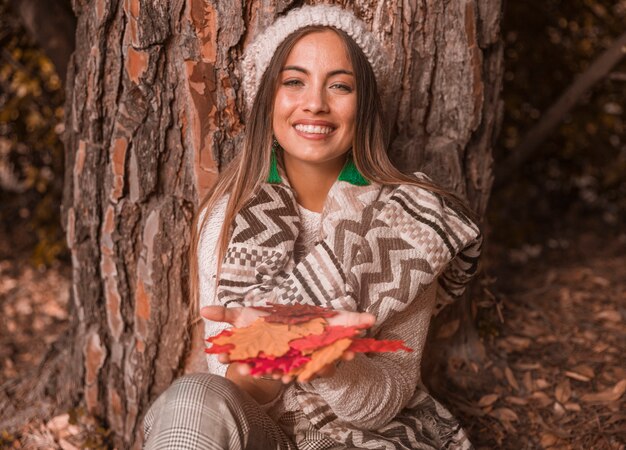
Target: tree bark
(154, 110)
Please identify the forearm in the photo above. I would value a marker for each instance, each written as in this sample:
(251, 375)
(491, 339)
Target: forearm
(370, 390)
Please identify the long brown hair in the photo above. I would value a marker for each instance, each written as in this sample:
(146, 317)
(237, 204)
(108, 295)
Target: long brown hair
(248, 170)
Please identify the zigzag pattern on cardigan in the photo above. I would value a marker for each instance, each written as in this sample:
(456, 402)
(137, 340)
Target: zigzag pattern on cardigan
(379, 248)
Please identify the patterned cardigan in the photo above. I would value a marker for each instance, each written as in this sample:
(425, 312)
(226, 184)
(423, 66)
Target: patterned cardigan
(384, 250)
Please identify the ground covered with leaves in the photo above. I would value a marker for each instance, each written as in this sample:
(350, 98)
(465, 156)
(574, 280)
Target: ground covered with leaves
(555, 375)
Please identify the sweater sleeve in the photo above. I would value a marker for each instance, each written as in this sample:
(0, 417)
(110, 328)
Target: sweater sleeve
(371, 390)
(207, 267)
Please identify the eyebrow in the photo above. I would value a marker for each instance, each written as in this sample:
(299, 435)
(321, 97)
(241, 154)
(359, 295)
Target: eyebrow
(332, 73)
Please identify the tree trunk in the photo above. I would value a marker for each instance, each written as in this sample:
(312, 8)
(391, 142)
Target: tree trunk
(153, 111)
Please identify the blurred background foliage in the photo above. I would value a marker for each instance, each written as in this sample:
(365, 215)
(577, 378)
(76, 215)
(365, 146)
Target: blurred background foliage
(580, 171)
(31, 152)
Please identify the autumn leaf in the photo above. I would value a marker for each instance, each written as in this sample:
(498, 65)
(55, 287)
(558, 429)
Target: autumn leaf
(215, 349)
(287, 363)
(322, 357)
(227, 332)
(330, 335)
(608, 395)
(315, 326)
(364, 345)
(261, 336)
(298, 313)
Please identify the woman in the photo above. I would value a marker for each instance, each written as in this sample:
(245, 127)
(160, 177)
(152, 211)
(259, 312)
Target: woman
(314, 212)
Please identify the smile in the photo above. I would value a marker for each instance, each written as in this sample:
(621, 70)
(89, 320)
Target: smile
(313, 129)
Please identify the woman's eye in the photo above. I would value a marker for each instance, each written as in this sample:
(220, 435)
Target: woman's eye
(342, 87)
(292, 83)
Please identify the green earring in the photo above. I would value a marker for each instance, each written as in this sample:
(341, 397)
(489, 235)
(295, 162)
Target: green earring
(274, 176)
(351, 174)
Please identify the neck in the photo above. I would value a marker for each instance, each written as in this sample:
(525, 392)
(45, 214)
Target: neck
(311, 182)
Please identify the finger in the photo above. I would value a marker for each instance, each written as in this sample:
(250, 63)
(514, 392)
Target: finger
(348, 356)
(243, 369)
(286, 379)
(223, 358)
(352, 319)
(220, 314)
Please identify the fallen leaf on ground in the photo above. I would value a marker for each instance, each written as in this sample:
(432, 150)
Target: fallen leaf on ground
(541, 398)
(576, 376)
(573, 407)
(516, 400)
(585, 370)
(548, 440)
(563, 391)
(487, 400)
(504, 415)
(610, 315)
(606, 396)
(558, 409)
(508, 373)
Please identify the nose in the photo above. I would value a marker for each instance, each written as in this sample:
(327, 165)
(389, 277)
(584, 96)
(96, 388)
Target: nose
(315, 100)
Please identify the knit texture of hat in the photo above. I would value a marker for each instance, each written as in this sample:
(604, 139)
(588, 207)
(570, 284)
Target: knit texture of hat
(259, 53)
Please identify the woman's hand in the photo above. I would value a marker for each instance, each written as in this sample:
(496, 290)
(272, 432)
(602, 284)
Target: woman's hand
(244, 316)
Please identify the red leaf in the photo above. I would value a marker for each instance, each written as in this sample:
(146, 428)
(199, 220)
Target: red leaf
(330, 335)
(364, 345)
(219, 348)
(224, 333)
(297, 313)
(216, 348)
(287, 363)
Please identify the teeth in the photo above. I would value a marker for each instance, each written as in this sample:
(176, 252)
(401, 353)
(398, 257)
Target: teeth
(315, 129)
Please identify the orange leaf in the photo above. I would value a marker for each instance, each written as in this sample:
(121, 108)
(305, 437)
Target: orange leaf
(322, 357)
(315, 326)
(330, 335)
(270, 338)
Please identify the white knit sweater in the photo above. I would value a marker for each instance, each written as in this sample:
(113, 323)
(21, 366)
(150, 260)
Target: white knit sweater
(368, 391)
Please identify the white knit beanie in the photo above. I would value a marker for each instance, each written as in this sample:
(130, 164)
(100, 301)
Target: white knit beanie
(259, 53)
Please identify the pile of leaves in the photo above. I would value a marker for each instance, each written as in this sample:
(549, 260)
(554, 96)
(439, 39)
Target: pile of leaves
(295, 340)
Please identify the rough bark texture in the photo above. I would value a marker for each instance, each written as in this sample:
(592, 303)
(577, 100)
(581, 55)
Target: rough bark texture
(154, 109)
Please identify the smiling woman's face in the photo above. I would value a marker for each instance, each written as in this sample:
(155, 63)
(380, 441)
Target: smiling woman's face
(315, 103)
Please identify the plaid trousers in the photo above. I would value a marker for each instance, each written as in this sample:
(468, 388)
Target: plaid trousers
(202, 411)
